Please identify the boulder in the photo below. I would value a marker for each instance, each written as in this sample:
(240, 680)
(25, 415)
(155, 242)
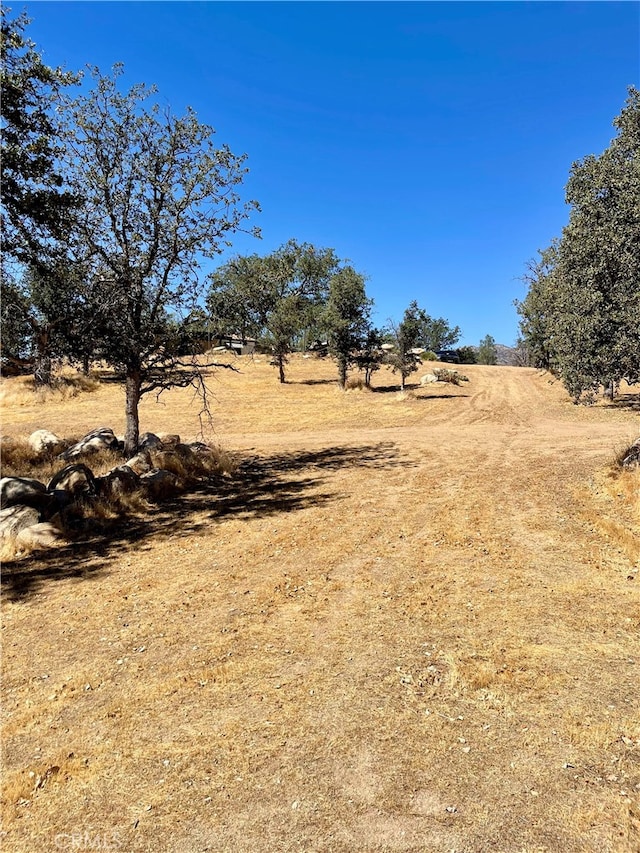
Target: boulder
(140, 463)
(98, 439)
(199, 448)
(42, 440)
(632, 456)
(169, 440)
(75, 479)
(149, 441)
(13, 519)
(184, 451)
(428, 378)
(121, 481)
(41, 535)
(24, 491)
(159, 484)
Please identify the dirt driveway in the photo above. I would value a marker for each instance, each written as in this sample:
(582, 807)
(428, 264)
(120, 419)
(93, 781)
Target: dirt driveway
(407, 624)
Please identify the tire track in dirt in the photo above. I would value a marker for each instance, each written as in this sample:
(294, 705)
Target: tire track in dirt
(410, 661)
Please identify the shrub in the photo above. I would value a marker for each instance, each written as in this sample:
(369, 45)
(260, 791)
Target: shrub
(355, 383)
(452, 376)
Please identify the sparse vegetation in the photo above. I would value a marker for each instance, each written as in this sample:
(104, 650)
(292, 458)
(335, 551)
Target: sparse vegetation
(444, 374)
(394, 571)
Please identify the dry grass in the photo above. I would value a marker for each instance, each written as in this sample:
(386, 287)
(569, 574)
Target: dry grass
(398, 626)
(614, 508)
(355, 383)
(68, 384)
(20, 460)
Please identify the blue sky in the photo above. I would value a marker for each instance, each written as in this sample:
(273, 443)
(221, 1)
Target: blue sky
(429, 143)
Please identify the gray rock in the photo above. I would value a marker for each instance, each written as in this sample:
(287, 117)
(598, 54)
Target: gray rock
(75, 479)
(13, 519)
(41, 535)
(140, 463)
(149, 441)
(632, 456)
(428, 378)
(169, 440)
(98, 439)
(120, 481)
(42, 440)
(24, 491)
(160, 484)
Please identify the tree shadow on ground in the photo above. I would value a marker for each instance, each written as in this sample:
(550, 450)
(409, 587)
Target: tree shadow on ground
(313, 382)
(415, 386)
(426, 397)
(262, 486)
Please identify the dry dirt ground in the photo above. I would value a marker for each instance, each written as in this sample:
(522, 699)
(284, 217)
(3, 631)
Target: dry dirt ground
(408, 623)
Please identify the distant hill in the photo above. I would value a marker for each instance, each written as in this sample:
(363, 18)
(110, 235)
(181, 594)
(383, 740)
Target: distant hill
(506, 355)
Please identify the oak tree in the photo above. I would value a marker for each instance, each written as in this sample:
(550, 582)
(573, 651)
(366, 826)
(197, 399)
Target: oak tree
(346, 318)
(582, 312)
(159, 197)
(277, 296)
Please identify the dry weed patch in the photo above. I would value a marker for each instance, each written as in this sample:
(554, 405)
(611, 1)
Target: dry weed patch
(68, 385)
(613, 508)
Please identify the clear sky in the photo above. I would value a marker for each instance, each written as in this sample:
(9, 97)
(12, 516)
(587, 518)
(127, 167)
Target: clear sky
(429, 143)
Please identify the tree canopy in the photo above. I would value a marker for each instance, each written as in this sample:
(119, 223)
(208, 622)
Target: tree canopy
(487, 351)
(278, 295)
(581, 315)
(405, 337)
(38, 208)
(36, 205)
(158, 197)
(346, 318)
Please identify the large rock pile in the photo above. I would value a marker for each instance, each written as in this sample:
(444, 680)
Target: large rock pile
(33, 514)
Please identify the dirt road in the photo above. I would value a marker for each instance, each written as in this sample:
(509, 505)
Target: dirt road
(406, 624)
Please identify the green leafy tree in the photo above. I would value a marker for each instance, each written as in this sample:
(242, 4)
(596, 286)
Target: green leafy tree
(370, 356)
(406, 336)
(417, 331)
(37, 209)
(582, 310)
(537, 309)
(467, 355)
(16, 332)
(346, 318)
(44, 316)
(158, 197)
(276, 297)
(487, 352)
(437, 333)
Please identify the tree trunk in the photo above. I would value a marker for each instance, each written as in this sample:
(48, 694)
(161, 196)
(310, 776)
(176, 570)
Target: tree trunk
(342, 370)
(132, 432)
(610, 389)
(281, 368)
(42, 369)
(86, 364)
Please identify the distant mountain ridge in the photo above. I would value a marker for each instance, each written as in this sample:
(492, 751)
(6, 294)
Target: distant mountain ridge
(507, 356)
